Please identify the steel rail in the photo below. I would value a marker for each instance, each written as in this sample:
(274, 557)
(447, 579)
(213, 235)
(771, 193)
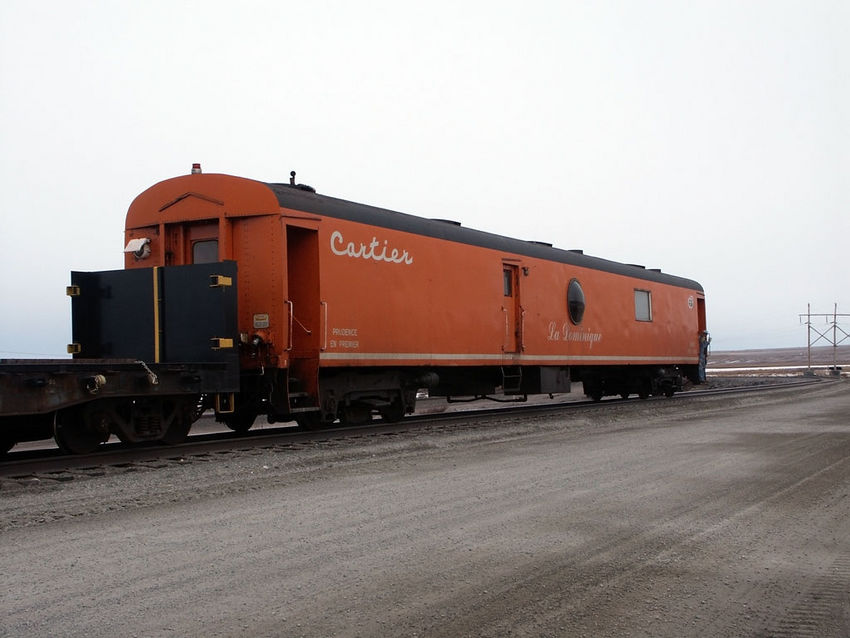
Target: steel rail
(51, 465)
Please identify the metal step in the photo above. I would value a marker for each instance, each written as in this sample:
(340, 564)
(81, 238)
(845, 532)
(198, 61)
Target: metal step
(511, 379)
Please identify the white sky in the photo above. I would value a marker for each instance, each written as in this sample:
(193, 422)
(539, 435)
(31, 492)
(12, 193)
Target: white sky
(710, 139)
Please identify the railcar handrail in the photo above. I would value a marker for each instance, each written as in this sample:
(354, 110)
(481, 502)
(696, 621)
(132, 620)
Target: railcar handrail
(291, 319)
(324, 305)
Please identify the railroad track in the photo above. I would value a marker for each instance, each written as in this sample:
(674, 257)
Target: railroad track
(50, 466)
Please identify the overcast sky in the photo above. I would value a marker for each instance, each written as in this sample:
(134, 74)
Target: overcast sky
(710, 139)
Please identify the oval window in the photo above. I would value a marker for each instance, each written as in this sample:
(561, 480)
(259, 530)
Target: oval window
(575, 301)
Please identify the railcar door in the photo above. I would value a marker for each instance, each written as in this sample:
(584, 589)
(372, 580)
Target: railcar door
(704, 339)
(305, 316)
(192, 243)
(511, 308)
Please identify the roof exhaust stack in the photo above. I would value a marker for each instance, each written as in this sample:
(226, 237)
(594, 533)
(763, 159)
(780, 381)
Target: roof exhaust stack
(302, 187)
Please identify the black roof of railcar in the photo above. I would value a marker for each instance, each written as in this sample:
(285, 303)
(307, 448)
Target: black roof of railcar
(296, 198)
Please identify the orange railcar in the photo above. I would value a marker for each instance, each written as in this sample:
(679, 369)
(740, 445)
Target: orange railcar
(345, 310)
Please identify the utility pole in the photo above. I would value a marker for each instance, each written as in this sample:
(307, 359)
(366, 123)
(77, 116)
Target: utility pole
(834, 340)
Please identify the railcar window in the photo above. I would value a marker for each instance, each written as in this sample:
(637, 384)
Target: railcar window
(575, 301)
(205, 252)
(643, 305)
(509, 282)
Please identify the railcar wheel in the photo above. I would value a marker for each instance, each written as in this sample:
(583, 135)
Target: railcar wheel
(393, 413)
(594, 390)
(310, 420)
(356, 414)
(177, 431)
(80, 430)
(186, 412)
(240, 422)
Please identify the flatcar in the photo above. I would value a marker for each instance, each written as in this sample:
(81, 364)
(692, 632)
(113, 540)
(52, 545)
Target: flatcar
(270, 299)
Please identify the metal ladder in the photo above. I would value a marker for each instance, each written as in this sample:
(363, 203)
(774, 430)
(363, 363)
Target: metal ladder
(511, 379)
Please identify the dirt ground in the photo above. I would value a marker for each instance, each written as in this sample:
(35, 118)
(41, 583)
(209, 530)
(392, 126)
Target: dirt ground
(796, 357)
(708, 517)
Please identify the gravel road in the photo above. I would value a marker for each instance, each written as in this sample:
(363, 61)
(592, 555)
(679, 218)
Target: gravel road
(708, 517)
